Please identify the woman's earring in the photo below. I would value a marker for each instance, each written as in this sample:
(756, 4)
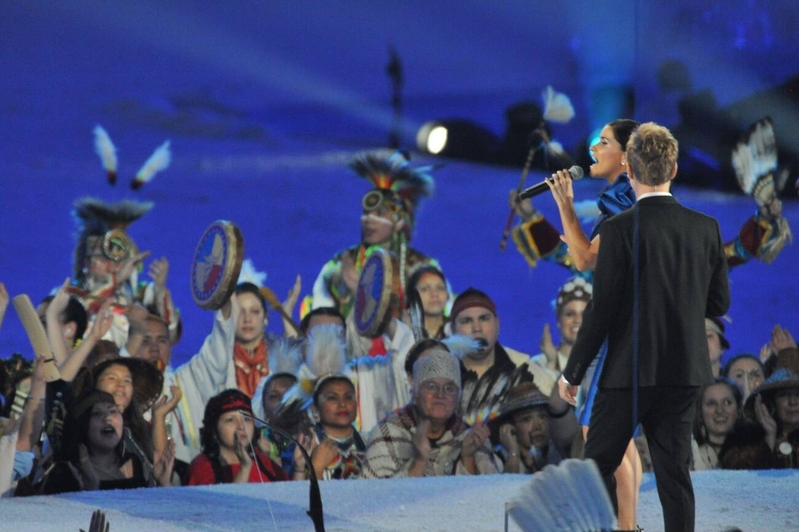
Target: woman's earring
(623, 163)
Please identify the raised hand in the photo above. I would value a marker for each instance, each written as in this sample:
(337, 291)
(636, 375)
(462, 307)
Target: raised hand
(158, 271)
(293, 295)
(420, 440)
(325, 452)
(349, 274)
(164, 405)
(548, 348)
(475, 438)
(130, 264)
(781, 339)
(163, 463)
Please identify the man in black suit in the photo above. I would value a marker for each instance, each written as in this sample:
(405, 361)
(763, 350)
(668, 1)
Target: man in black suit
(660, 270)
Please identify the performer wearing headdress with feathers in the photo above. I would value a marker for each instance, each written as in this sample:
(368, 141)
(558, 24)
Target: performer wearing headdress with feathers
(766, 233)
(387, 221)
(107, 263)
(106, 259)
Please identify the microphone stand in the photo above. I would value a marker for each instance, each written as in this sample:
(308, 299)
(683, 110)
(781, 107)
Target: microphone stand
(315, 496)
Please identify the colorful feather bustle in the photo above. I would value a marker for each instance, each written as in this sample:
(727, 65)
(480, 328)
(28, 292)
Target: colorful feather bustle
(107, 151)
(390, 170)
(755, 155)
(557, 106)
(157, 162)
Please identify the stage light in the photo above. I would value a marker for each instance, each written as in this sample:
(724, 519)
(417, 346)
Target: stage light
(458, 139)
(432, 138)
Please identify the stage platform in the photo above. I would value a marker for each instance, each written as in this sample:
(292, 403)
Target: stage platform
(753, 501)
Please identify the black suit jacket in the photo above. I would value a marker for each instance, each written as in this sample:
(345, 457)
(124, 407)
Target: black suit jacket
(681, 279)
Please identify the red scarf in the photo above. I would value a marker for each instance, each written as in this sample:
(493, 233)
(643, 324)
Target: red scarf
(250, 367)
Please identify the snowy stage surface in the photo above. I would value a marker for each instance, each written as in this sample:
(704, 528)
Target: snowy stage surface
(752, 501)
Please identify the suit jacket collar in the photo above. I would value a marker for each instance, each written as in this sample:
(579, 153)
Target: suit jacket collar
(657, 200)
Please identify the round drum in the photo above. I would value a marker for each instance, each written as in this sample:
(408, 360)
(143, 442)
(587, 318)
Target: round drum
(378, 294)
(216, 265)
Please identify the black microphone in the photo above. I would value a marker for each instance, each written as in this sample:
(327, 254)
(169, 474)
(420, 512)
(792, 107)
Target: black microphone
(575, 172)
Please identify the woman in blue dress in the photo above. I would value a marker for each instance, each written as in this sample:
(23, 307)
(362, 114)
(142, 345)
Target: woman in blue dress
(537, 240)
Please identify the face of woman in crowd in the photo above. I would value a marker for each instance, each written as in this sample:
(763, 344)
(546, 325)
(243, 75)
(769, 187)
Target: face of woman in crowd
(608, 154)
(747, 373)
(117, 380)
(252, 320)
(570, 319)
(719, 411)
(337, 405)
(786, 404)
(436, 399)
(532, 427)
(273, 393)
(232, 426)
(105, 427)
(433, 293)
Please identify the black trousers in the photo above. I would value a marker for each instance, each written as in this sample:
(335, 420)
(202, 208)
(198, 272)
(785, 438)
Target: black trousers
(666, 413)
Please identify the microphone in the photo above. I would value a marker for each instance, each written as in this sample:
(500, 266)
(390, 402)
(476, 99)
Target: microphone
(575, 172)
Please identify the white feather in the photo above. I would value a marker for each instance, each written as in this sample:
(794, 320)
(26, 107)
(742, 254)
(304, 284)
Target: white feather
(557, 106)
(460, 345)
(755, 155)
(105, 149)
(249, 274)
(326, 351)
(158, 161)
(570, 497)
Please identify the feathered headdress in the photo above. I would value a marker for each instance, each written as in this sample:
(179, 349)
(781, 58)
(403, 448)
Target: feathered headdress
(397, 185)
(754, 160)
(102, 229)
(325, 357)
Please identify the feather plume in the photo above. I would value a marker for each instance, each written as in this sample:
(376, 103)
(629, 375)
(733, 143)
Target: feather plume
(391, 171)
(285, 356)
(158, 161)
(326, 351)
(416, 312)
(250, 275)
(755, 155)
(569, 497)
(107, 152)
(557, 106)
(460, 345)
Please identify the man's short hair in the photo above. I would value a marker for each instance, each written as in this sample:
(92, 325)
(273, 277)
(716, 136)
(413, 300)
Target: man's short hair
(652, 153)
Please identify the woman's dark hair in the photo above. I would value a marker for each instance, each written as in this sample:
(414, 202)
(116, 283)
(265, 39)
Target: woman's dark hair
(414, 279)
(321, 311)
(699, 430)
(725, 371)
(226, 401)
(622, 129)
(76, 425)
(74, 312)
(420, 347)
(250, 288)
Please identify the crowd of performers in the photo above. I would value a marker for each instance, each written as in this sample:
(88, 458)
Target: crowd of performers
(434, 392)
